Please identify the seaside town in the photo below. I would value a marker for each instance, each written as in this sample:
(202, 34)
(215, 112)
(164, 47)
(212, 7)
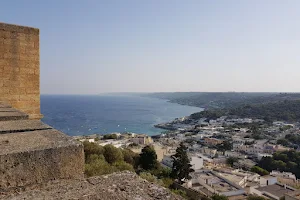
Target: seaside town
(227, 154)
(150, 100)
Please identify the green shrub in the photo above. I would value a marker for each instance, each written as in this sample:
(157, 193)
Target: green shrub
(99, 167)
(259, 170)
(92, 148)
(167, 182)
(122, 166)
(112, 154)
(110, 136)
(219, 197)
(149, 177)
(93, 157)
(130, 157)
(180, 192)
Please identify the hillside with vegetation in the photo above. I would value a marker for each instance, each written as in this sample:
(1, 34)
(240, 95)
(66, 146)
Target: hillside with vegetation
(287, 110)
(288, 161)
(102, 160)
(223, 99)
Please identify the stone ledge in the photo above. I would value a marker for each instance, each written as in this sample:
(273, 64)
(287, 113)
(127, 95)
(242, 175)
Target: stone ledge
(22, 126)
(7, 113)
(6, 116)
(38, 156)
(34, 140)
(4, 105)
(19, 29)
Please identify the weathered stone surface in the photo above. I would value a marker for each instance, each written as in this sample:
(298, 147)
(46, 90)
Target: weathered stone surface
(3, 105)
(8, 28)
(38, 156)
(22, 126)
(34, 140)
(117, 186)
(19, 68)
(5, 116)
(32, 152)
(7, 109)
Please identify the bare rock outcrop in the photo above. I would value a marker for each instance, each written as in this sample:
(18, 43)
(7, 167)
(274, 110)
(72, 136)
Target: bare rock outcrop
(117, 186)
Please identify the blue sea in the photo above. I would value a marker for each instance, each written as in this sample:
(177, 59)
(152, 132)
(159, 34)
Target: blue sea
(84, 115)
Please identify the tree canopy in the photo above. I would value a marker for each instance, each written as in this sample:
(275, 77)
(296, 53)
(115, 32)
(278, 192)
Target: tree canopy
(110, 136)
(108, 159)
(181, 164)
(231, 160)
(287, 110)
(148, 158)
(259, 170)
(112, 154)
(288, 161)
(224, 146)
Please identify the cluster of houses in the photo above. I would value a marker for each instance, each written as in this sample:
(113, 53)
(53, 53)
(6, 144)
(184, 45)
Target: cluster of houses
(212, 174)
(120, 141)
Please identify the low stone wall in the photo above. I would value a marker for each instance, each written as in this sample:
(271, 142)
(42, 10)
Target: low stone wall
(26, 168)
(33, 157)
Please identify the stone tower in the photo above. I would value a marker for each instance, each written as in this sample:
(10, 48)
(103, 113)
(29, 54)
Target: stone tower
(31, 152)
(20, 68)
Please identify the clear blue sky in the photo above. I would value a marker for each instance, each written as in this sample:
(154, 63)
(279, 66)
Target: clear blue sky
(90, 47)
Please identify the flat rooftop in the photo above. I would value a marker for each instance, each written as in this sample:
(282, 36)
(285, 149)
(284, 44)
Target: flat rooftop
(294, 194)
(218, 183)
(232, 177)
(277, 190)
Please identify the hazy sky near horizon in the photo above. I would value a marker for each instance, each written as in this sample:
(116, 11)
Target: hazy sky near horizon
(94, 46)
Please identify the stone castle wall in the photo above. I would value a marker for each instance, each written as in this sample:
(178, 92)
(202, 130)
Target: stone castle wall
(20, 68)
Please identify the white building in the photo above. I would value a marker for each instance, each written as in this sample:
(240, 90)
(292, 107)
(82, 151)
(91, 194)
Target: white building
(288, 175)
(143, 140)
(115, 143)
(88, 140)
(267, 180)
(209, 182)
(234, 154)
(196, 162)
(208, 151)
(261, 155)
(278, 123)
(269, 188)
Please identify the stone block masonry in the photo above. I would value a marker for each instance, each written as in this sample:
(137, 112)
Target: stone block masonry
(20, 68)
(32, 152)
(38, 156)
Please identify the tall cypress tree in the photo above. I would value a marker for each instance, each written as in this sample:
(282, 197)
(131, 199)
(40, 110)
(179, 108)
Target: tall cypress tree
(181, 164)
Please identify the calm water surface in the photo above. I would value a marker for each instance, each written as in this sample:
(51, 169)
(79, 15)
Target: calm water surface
(83, 115)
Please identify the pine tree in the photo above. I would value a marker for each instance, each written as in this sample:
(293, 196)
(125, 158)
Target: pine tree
(181, 164)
